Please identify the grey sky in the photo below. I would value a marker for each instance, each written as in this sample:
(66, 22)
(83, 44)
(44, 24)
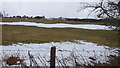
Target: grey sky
(50, 0)
(48, 9)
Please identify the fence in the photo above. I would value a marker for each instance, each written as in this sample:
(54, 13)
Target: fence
(12, 59)
(75, 60)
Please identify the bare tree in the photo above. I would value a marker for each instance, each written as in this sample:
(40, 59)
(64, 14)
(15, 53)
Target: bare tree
(3, 14)
(105, 9)
(119, 7)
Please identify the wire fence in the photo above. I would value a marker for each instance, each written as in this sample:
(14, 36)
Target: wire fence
(62, 57)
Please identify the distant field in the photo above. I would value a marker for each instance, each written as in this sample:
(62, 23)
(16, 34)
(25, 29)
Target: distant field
(47, 21)
(29, 34)
(0, 34)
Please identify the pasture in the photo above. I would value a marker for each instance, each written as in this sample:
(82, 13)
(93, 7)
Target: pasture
(30, 34)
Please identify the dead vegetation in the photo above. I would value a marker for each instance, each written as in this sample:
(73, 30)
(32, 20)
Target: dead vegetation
(74, 59)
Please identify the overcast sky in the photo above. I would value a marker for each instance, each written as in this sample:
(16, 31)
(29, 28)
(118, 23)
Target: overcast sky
(49, 0)
(48, 8)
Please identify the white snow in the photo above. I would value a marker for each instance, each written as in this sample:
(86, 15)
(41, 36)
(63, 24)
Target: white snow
(59, 25)
(86, 49)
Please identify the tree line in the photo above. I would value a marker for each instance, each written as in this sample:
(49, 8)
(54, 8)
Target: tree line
(24, 16)
(4, 14)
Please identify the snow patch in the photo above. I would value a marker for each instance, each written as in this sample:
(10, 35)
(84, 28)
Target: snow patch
(59, 25)
(79, 47)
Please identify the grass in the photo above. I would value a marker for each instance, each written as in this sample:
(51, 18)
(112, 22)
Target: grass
(0, 34)
(28, 34)
(47, 21)
(75, 58)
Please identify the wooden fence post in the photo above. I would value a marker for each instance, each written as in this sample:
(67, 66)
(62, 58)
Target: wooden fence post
(52, 57)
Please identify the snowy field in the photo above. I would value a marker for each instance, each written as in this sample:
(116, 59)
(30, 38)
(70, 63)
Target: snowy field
(59, 25)
(78, 48)
(85, 52)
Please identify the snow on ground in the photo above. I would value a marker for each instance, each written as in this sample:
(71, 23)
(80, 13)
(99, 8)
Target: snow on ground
(59, 25)
(83, 50)
(80, 48)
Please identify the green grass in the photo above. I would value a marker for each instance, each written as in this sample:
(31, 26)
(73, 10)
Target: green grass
(29, 34)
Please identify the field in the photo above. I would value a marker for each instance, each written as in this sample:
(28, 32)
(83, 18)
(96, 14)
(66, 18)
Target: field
(47, 21)
(71, 44)
(29, 34)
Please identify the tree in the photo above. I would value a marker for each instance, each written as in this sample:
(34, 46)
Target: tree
(43, 17)
(24, 16)
(40, 17)
(105, 10)
(119, 7)
(3, 14)
(18, 16)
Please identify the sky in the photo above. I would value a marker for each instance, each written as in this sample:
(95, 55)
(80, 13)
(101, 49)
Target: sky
(48, 8)
(49, 0)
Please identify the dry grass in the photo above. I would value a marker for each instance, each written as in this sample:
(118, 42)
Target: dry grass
(0, 34)
(47, 21)
(15, 34)
(13, 60)
(29, 34)
(74, 59)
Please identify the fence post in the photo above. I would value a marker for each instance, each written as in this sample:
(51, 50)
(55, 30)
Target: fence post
(52, 57)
